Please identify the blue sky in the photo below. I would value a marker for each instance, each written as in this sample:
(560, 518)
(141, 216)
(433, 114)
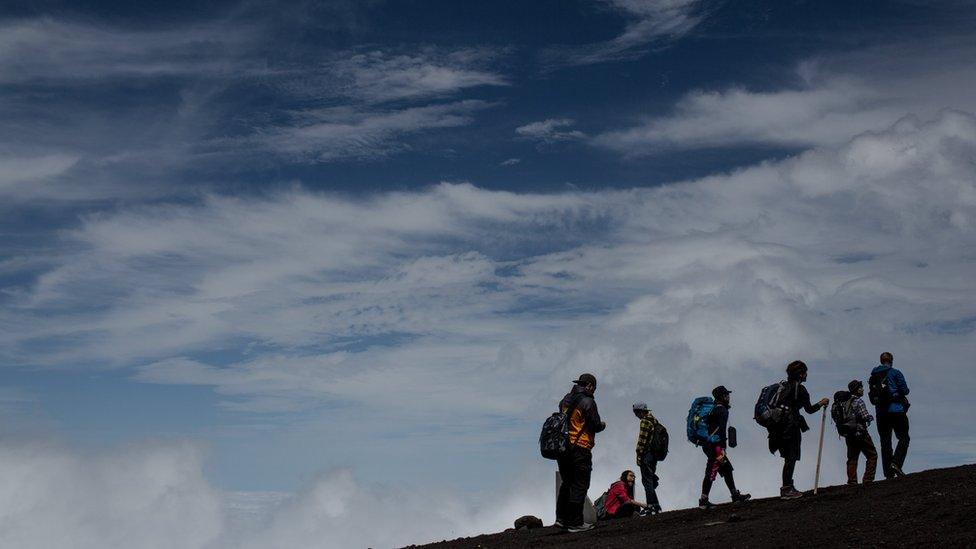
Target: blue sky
(272, 255)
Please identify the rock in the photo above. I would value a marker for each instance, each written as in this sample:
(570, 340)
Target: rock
(528, 522)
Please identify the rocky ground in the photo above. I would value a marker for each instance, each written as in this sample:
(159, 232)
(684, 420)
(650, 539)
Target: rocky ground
(930, 508)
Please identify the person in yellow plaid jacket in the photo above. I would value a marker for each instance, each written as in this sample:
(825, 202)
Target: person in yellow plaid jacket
(646, 459)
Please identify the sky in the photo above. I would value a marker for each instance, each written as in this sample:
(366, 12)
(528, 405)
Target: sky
(313, 273)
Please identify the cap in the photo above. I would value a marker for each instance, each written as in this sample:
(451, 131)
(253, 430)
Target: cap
(640, 406)
(854, 385)
(720, 390)
(586, 379)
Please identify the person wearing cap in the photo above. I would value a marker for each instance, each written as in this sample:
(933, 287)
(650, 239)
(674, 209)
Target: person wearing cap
(716, 449)
(859, 442)
(576, 464)
(646, 459)
(786, 438)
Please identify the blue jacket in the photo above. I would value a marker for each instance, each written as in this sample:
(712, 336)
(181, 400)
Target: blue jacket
(897, 386)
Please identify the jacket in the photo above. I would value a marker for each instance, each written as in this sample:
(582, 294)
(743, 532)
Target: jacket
(585, 422)
(617, 495)
(718, 425)
(644, 436)
(898, 388)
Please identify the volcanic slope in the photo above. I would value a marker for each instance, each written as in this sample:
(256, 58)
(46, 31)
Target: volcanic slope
(936, 507)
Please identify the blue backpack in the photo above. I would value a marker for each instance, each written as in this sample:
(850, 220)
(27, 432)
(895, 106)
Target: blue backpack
(701, 407)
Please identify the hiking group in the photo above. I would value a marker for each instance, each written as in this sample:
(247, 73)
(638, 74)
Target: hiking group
(569, 434)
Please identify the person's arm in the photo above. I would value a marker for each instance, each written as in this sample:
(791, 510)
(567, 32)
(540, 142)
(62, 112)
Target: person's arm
(803, 401)
(900, 385)
(721, 414)
(592, 415)
(861, 412)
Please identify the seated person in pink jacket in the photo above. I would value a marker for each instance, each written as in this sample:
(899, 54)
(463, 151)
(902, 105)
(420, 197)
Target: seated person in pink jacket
(620, 502)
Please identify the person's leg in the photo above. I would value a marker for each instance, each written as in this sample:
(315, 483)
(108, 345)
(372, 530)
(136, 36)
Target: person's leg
(582, 467)
(899, 423)
(870, 457)
(725, 469)
(853, 451)
(626, 510)
(566, 474)
(649, 479)
(711, 470)
(788, 466)
(884, 437)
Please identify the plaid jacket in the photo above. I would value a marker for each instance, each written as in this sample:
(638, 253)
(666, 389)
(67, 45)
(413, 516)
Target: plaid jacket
(644, 435)
(861, 411)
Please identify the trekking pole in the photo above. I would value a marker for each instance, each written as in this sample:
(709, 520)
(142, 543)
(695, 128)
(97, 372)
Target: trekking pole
(823, 425)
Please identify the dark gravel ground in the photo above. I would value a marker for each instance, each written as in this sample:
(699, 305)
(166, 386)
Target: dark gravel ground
(930, 508)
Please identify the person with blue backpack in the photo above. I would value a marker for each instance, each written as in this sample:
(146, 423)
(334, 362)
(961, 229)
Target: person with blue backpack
(888, 391)
(708, 421)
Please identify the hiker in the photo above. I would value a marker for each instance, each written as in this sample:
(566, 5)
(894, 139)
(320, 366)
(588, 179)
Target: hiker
(620, 502)
(718, 463)
(648, 449)
(852, 418)
(888, 392)
(785, 436)
(576, 463)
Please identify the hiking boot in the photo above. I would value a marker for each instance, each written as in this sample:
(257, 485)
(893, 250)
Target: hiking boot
(896, 471)
(739, 496)
(789, 492)
(703, 503)
(559, 523)
(580, 528)
(655, 509)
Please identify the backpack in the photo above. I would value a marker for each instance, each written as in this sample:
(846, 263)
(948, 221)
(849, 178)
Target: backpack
(842, 412)
(768, 412)
(879, 392)
(658, 446)
(600, 506)
(554, 438)
(701, 407)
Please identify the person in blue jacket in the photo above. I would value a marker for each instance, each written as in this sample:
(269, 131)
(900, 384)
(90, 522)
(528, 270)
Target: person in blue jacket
(888, 394)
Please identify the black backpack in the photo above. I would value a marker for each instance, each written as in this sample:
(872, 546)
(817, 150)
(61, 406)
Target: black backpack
(878, 391)
(554, 438)
(768, 412)
(842, 412)
(658, 446)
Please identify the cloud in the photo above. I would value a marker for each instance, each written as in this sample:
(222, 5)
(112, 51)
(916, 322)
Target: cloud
(649, 22)
(825, 102)
(140, 497)
(324, 135)
(19, 172)
(510, 162)
(550, 131)
(468, 310)
(379, 77)
(155, 495)
(46, 49)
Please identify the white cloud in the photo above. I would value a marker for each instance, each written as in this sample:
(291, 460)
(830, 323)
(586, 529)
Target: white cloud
(550, 130)
(19, 172)
(510, 162)
(377, 76)
(828, 101)
(324, 135)
(470, 310)
(145, 497)
(50, 50)
(649, 22)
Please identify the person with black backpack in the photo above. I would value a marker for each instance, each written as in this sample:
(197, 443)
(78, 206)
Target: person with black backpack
(576, 463)
(652, 447)
(715, 447)
(852, 419)
(888, 392)
(786, 432)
